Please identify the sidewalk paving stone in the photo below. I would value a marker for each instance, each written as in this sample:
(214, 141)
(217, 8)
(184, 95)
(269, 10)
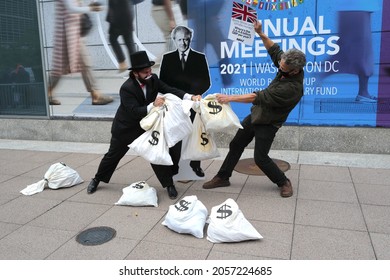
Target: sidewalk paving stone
(337, 212)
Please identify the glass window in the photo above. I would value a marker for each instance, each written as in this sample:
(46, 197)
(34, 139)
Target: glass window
(22, 89)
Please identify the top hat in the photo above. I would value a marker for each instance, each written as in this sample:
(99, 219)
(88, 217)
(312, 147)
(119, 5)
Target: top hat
(140, 60)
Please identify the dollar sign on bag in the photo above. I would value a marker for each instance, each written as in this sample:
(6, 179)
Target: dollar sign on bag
(205, 140)
(183, 205)
(224, 211)
(155, 135)
(139, 185)
(216, 108)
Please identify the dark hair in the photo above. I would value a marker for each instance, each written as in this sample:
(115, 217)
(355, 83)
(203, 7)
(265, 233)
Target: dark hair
(131, 74)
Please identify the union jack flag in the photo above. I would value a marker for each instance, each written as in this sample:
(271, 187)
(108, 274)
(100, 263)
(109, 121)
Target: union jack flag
(243, 12)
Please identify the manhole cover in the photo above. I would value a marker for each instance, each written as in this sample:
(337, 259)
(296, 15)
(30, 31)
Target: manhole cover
(249, 167)
(95, 236)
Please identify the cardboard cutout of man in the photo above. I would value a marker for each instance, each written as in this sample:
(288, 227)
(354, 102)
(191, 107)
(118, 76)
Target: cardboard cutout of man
(187, 70)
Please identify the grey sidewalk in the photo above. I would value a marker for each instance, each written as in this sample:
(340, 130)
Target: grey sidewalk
(340, 208)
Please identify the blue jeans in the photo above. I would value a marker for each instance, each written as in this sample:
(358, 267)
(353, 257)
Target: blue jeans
(264, 136)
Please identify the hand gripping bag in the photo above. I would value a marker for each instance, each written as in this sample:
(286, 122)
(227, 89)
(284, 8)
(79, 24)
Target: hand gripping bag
(187, 216)
(228, 224)
(59, 175)
(177, 122)
(216, 116)
(138, 194)
(150, 119)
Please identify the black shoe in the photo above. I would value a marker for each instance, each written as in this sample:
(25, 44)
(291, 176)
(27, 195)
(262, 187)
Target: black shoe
(92, 186)
(198, 171)
(172, 192)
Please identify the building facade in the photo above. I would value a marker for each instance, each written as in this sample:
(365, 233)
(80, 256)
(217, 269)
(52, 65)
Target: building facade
(26, 44)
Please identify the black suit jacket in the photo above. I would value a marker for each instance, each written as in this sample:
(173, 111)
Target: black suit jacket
(133, 106)
(120, 15)
(195, 78)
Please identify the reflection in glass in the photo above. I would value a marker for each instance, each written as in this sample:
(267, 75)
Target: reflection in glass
(21, 79)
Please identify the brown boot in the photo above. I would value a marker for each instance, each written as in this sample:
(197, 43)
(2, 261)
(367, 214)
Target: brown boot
(286, 190)
(216, 182)
(103, 100)
(123, 66)
(100, 99)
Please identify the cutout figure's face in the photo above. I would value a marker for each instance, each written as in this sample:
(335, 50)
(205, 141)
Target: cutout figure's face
(182, 41)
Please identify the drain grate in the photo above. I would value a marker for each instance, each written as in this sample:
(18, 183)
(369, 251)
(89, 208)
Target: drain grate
(249, 167)
(95, 236)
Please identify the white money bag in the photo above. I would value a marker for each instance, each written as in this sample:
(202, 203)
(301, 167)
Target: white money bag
(59, 175)
(218, 117)
(138, 194)
(187, 216)
(228, 224)
(200, 144)
(152, 145)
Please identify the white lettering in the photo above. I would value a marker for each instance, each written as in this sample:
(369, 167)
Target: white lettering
(326, 90)
(268, 25)
(314, 48)
(252, 82)
(308, 26)
(294, 29)
(321, 29)
(246, 51)
(309, 90)
(309, 81)
(229, 53)
(332, 44)
(240, 90)
(284, 29)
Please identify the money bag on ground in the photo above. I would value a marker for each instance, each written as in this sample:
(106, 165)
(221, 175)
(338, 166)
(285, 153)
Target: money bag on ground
(59, 175)
(187, 216)
(228, 224)
(138, 194)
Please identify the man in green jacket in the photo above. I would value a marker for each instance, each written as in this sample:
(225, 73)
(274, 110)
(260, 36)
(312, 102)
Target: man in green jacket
(270, 110)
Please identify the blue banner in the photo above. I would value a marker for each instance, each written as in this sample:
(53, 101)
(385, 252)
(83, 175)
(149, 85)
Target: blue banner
(344, 42)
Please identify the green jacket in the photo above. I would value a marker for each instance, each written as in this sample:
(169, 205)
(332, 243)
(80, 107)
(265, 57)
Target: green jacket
(273, 104)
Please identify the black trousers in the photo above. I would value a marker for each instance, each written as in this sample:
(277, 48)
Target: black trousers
(118, 149)
(165, 173)
(193, 163)
(127, 38)
(264, 136)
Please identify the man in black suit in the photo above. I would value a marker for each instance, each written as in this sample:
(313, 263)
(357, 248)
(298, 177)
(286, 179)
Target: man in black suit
(138, 96)
(187, 70)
